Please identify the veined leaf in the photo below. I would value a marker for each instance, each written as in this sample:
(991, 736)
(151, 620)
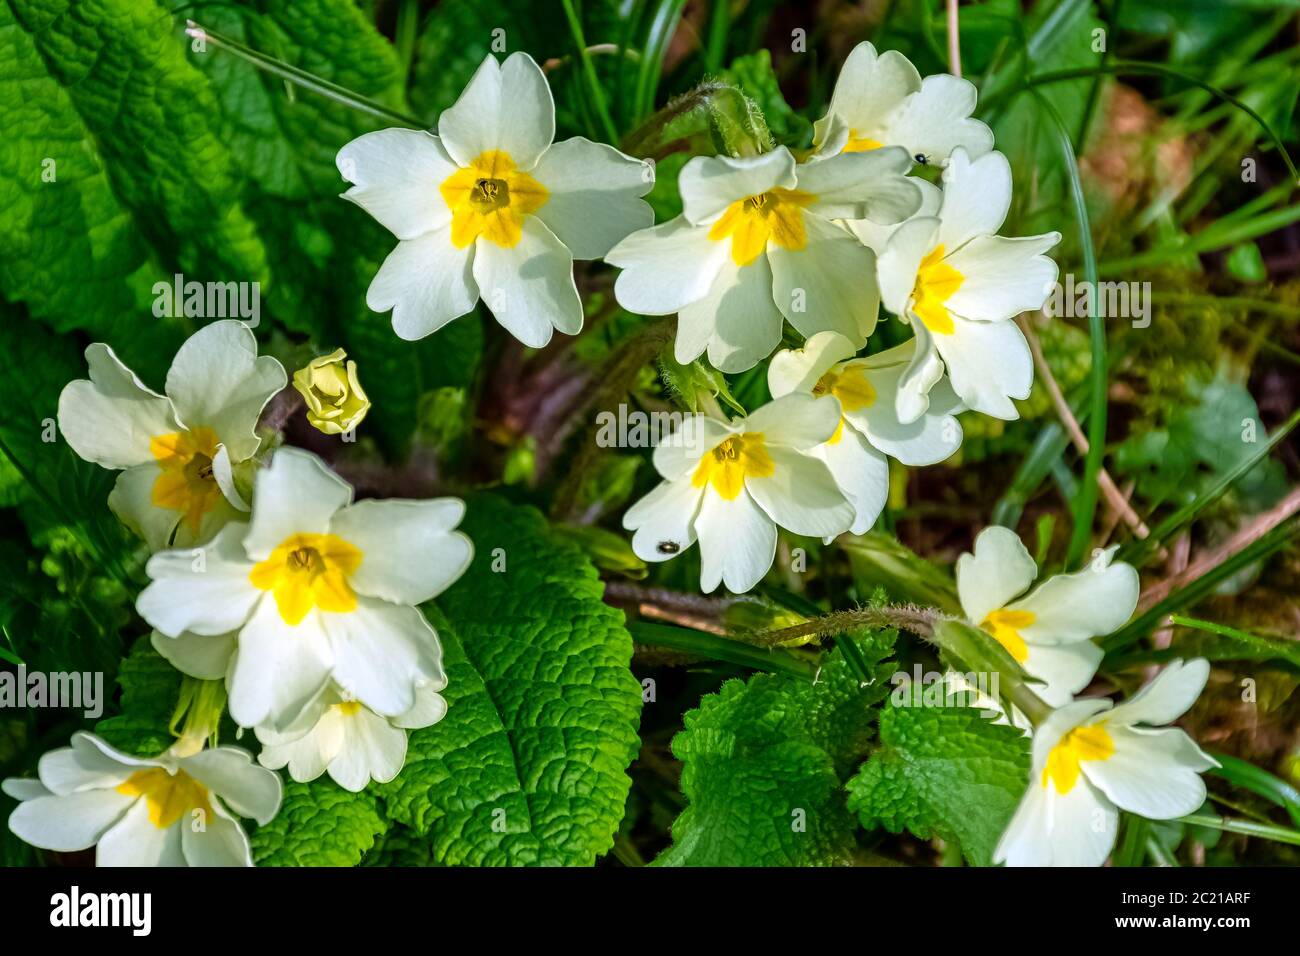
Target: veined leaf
(319, 824)
(530, 764)
(943, 771)
(104, 91)
(764, 763)
(150, 689)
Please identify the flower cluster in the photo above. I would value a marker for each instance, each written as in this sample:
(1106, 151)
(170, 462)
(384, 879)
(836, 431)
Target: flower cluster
(266, 576)
(267, 579)
(820, 244)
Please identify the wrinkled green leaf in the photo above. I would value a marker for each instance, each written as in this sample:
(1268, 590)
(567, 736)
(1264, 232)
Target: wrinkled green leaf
(943, 771)
(764, 761)
(530, 764)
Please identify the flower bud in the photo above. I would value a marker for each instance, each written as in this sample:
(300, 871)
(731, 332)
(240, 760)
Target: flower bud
(335, 400)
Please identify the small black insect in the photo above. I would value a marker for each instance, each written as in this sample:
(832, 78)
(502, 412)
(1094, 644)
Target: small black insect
(920, 158)
(669, 547)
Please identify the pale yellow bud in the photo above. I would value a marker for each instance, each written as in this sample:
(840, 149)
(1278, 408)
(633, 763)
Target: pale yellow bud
(335, 400)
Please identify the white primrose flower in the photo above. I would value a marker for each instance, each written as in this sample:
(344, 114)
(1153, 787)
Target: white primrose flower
(490, 207)
(341, 735)
(1048, 631)
(314, 588)
(756, 243)
(177, 451)
(959, 285)
(1092, 759)
(731, 484)
(880, 100)
(170, 810)
(869, 429)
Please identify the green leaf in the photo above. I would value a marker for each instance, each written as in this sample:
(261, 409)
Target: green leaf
(879, 560)
(69, 246)
(150, 689)
(400, 846)
(63, 490)
(1205, 438)
(106, 93)
(943, 771)
(764, 761)
(1064, 36)
(1245, 262)
(319, 824)
(529, 765)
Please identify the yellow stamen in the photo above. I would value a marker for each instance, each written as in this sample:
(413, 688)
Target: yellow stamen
(1005, 627)
(170, 796)
(489, 198)
(750, 222)
(307, 571)
(936, 281)
(186, 484)
(727, 465)
(349, 708)
(1080, 744)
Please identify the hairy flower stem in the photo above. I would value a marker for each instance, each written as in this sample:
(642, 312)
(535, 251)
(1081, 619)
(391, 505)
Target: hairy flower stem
(736, 125)
(906, 617)
(958, 639)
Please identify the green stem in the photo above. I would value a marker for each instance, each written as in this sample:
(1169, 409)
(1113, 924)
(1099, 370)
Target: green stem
(1085, 504)
(408, 24)
(1280, 648)
(1265, 831)
(1094, 91)
(589, 73)
(713, 647)
(308, 81)
(909, 617)
(662, 26)
(1158, 853)
(961, 641)
(1121, 67)
(719, 26)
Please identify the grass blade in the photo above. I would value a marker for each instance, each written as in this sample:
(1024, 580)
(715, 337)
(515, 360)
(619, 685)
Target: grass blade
(594, 88)
(716, 648)
(1084, 506)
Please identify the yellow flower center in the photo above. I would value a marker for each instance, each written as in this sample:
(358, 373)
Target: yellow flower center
(936, 281)
(860, 144)
(169, 795)
(848, 384)
(726, 466)
(1005, 627)
(1080, 744)
(853, 390)
(348, 708)
(750, 222)
(489, 198)
(186, 484)
(307, 571)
